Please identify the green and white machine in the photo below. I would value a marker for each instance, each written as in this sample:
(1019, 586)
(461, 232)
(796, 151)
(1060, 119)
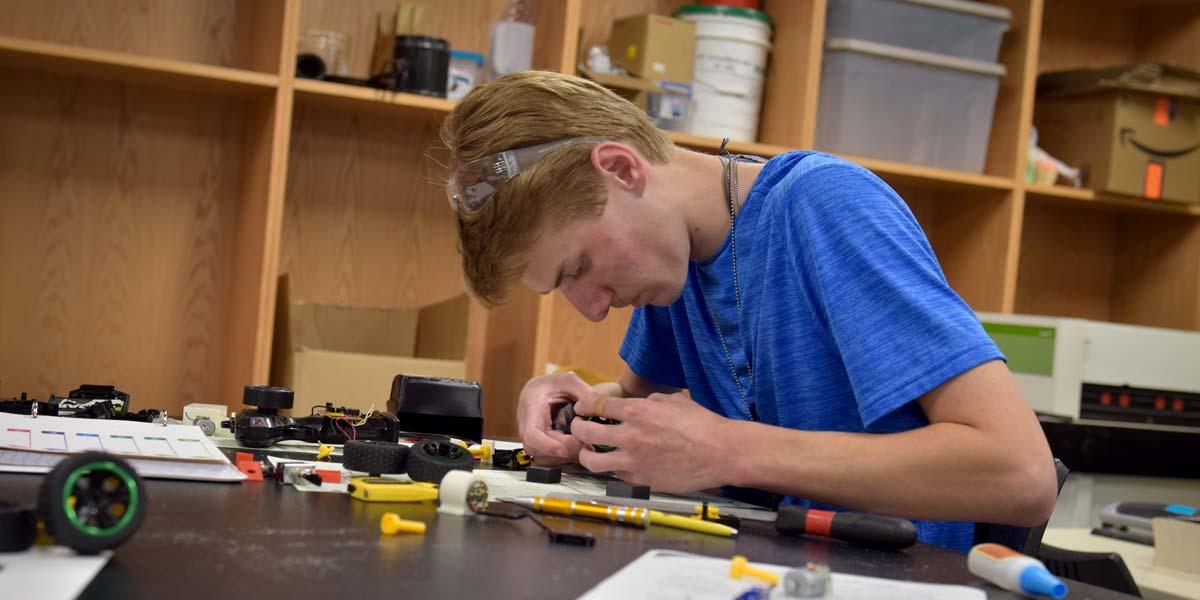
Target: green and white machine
(1094, 371)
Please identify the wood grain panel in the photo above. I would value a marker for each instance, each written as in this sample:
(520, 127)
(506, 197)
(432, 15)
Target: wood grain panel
(464, 23)
(116, 225)
(217, 32)
(1014, 99)
(1068, 258)
(1157, 271)
(365, 222)
(508, 359)
(1075, 35)
(577, 342)
(261, 42)
(1171, 34)
(789, 110)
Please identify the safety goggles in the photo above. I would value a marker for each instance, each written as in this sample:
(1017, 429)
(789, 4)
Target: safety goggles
(473, 183)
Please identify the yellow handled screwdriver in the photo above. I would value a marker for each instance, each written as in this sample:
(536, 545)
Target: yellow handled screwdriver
(623, 515)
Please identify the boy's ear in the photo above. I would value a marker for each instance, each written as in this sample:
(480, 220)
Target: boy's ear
(621, 164)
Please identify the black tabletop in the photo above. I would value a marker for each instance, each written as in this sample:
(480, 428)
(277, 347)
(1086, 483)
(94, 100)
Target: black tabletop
(214, 540)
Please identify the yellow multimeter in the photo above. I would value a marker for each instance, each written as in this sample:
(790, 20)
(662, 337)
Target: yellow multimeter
(382, 489)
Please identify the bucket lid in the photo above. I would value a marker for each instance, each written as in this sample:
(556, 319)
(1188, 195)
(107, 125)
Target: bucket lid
(718, 10)
(932, 59)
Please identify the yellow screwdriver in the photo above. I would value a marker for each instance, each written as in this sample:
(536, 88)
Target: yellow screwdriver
(625, 515)
(633, 517)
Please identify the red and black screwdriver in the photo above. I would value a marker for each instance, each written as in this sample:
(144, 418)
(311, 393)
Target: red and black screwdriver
(861, 529)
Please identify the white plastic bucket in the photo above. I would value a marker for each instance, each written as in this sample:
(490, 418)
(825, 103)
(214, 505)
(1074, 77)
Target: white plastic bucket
(731, 64)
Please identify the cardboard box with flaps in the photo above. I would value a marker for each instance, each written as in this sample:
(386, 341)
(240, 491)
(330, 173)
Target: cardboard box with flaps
(349, 355)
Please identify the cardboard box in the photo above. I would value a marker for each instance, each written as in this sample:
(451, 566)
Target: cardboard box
(654, 47)
(666, 102)
(1133, 130)
(348, 355)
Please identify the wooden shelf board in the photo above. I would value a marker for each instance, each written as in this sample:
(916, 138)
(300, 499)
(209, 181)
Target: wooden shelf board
(20, 53)
(919, 176)
(712, 144)
(370, 98)
(931, 177)
(1105, 201)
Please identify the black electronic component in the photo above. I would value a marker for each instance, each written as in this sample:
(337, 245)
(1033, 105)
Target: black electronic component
(573, 539)
(563, 415)
(24, 406)
(92, 502)
(512, 460)
(540, 474)
(18, 527)
(429, 461)
(438, 405)
(624, 489)
(265, 426)
(93, 401)
(375, 458)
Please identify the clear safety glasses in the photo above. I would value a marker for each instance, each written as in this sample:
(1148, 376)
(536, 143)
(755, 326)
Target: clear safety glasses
(473, 183)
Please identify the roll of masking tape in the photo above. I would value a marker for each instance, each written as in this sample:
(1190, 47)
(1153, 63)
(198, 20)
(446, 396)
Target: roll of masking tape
(462, 493)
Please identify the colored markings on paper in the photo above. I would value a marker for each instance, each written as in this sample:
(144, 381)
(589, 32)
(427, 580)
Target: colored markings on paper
(158, 446)
(53, 440)
(123, 444)
(190, 448)
(18, 437)
(86, 441)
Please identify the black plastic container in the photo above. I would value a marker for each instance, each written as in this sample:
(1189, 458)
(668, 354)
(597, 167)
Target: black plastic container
(421, 65)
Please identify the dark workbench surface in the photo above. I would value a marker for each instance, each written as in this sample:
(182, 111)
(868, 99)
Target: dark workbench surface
(256, 540)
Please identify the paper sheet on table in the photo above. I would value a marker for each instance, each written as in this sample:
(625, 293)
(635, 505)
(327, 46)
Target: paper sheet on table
(48, 572)
(35, 445)
(666, 574)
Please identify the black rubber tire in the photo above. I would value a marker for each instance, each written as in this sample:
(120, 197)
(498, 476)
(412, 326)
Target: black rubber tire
(18, 527)
(375, 458)
(429, 461)
(63, 483)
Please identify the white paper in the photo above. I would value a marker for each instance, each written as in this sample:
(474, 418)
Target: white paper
(666, 574)
(48, 572)
(35, 445)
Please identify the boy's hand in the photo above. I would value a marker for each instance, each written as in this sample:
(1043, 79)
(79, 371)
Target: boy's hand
(666, 441)
(538, 398)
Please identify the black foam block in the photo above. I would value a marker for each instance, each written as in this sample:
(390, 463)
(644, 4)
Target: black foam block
(543, 474)
(621, 489)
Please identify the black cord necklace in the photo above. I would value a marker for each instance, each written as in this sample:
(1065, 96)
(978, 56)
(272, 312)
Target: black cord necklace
(732, 195)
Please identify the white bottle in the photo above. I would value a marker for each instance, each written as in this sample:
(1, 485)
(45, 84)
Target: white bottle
(511, 43)
(1014, 571)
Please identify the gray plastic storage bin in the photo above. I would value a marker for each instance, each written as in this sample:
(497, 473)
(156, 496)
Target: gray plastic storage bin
(970, 30)
(905, 105)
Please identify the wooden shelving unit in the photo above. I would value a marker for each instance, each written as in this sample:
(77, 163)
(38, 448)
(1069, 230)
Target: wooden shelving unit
(161, 167)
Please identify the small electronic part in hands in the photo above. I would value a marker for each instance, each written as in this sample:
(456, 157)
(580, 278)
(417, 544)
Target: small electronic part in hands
(563, 415)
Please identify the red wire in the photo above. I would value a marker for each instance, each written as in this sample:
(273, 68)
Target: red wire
(337, 425)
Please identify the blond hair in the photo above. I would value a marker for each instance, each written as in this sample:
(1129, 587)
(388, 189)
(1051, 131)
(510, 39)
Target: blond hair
(525, 109)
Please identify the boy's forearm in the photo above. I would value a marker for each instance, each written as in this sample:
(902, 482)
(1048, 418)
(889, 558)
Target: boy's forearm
(944, 471)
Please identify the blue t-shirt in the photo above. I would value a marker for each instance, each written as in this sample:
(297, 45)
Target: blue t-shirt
(847, 317)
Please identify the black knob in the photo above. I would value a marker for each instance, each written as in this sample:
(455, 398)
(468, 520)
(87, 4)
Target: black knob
(268, 396)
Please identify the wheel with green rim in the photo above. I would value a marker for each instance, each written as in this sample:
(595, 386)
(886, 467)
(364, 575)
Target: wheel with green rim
(92, 502)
